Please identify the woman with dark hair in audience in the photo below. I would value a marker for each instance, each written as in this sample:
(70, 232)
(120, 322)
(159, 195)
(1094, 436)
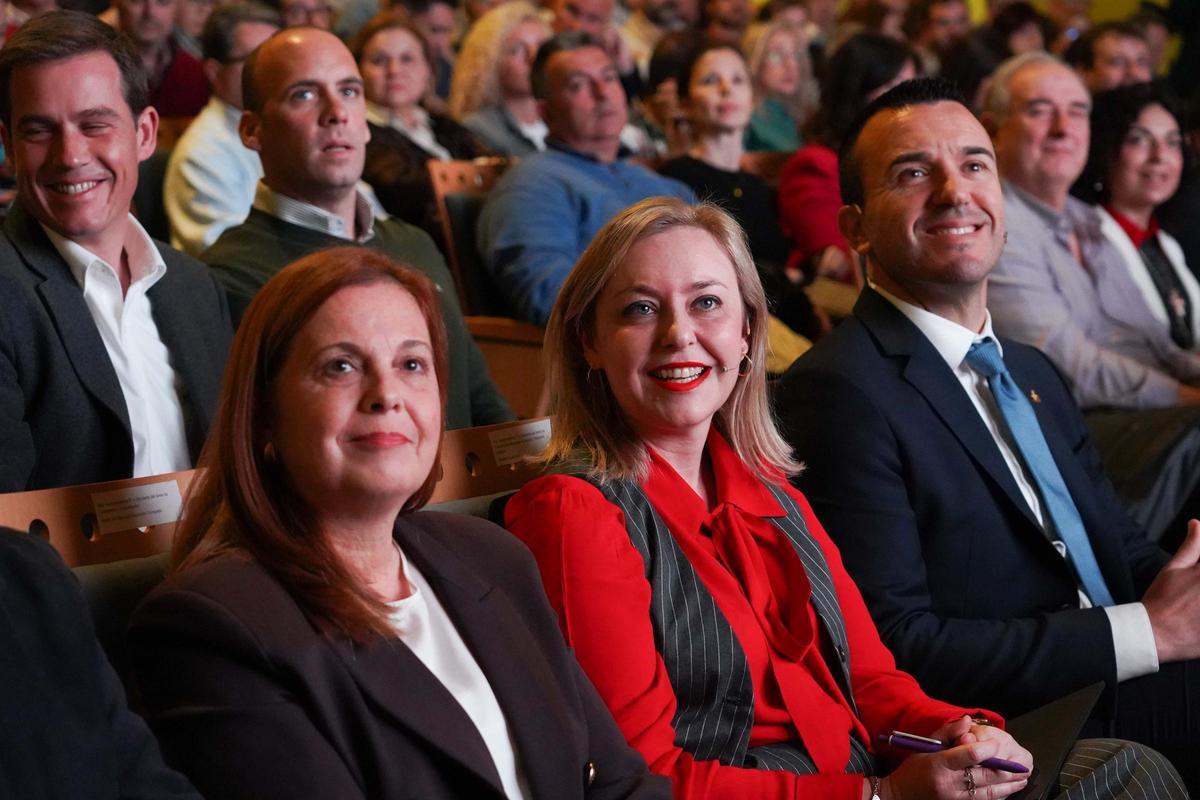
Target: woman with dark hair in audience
(865, 66)
(395, 63)
(319, 638)
(491, 94)
(970, 61)
(1015, 29)
(1135, 162)
(784, 90)
(1019, 28)
(715, 91)
(695, 585)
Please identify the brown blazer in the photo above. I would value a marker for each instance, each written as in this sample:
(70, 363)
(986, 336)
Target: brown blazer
(251, 701)
(397, 169)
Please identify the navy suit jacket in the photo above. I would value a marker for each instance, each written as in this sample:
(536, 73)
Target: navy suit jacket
(63, 417)
(251, 701)
(965, 587)
(65, 731)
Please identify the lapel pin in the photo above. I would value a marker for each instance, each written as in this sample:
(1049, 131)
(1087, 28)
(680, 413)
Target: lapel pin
(1034, 396)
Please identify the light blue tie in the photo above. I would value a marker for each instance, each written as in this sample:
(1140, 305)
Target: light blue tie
(984, 358)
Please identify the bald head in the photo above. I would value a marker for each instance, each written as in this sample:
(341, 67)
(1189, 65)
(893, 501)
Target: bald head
(305, 115)
(271, 54)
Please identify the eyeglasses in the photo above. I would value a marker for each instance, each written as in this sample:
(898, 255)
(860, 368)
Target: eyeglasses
(306, 15)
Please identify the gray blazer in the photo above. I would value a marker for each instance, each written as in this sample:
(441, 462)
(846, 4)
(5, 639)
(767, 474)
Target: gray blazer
(497, 129)
(63, 417)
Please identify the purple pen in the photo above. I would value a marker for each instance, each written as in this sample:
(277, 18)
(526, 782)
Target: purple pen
(923, 744)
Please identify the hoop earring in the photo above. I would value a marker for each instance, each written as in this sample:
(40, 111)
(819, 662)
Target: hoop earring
(744, 366)
(600, 383)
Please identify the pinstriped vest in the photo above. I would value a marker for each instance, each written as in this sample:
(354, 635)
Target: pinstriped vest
(705, 663)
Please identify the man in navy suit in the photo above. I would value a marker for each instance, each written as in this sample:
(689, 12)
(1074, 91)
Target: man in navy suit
(917, 469)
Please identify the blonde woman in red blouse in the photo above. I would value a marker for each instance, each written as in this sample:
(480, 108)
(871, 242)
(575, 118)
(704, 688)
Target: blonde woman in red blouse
(698, 590)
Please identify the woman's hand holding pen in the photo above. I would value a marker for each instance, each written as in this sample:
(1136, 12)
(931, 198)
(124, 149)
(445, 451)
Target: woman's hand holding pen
(965, 731)
(954, 773)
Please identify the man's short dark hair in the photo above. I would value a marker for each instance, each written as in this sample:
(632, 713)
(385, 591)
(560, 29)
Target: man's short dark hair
(217, 38)
(919, 14)
(59, 35)
(1082, 52)
(563, 42)
(917, 92)
(418, 7)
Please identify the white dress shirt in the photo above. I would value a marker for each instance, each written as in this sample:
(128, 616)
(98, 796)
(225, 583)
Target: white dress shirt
(424, 626)
(1133, 636)
(210, 178)
(138, 355)
(306, 215)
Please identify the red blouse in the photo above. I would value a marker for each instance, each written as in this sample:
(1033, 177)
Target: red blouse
(594, 578)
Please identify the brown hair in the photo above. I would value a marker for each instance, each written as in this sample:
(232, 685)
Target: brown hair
(241, 501)
(590, 430)
(59, 35)
(392, 19)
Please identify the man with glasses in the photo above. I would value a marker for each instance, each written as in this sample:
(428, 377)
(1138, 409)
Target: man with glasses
(211, 176)
(310, 13)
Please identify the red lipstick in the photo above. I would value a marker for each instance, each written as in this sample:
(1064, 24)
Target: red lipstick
(682, 383)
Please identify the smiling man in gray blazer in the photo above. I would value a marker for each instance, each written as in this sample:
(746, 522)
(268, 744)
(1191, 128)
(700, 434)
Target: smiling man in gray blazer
(111, 344)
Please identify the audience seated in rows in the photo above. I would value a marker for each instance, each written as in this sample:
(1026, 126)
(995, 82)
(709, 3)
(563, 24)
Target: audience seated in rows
(305, 13)
(1109, 55)
(1135, 163)
(190, 19)
(434, 22)
(319, 639)
(785, 92)
(67, 731)
(1062, 287)
(492, 95)
(696, 587)
(955, 470)
(211, 176)
(111, 345)
(715, 91)
(725, 21)
(306, 118)
(933, 27)
(396, 67)
(650, 21)
(545, 211)
(595, 18)
(861, 69)
(176, 80)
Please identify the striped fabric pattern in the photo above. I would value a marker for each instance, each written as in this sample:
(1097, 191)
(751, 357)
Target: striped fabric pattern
(704, 661)
(1114, 769)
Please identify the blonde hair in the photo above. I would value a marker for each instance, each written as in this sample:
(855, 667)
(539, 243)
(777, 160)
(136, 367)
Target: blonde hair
(807, 97)
(591, 433)
(476, 82)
